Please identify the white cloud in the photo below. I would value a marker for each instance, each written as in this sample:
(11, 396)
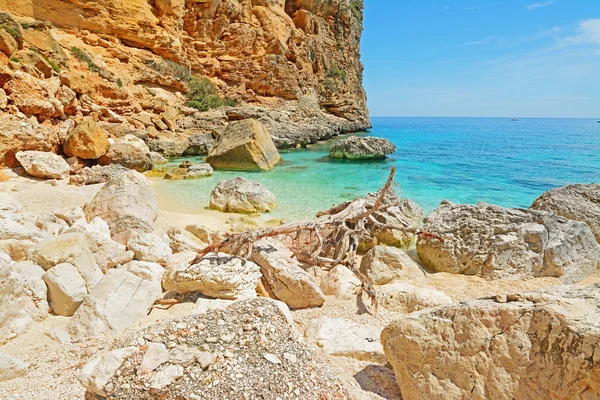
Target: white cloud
(588, 32)
(478, 42)
(539, 5)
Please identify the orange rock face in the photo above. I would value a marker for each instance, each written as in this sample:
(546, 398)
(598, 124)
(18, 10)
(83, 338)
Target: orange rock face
(255, 49)
(87, 141)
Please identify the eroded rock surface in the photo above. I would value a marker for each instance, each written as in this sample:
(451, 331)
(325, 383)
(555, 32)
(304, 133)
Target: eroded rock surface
(500, 243)
(241, 195)
(524, 346)
(576, 202)
(361, 148)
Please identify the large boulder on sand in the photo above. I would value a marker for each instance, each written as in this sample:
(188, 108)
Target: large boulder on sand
(361, 148)
(216, 275)
(43, 164)
(284, 275)
(383, 264)
(501, 243)
(241, 195)
(23, 298)
(245, 145)
(121, 299)
(87, 140)
(576, 202)
(537, 345)
(127, 203)
(128, 155)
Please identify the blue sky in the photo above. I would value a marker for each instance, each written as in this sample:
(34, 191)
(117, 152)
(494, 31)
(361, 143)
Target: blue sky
(508, 58)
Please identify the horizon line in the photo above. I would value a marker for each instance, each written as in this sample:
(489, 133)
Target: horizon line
(425, 116)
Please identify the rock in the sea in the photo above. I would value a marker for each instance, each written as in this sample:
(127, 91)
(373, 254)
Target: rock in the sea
(245, 145)
(536, 345)
(361, 148)
(11, 368)
(66, 289)
(121, 299)
(405, 298)
(87, 140)
(241, 195)
(576, 202)
(97, 174)
(71, 248)
(150, 247)
(500, 243)
(339, 337)
(176, 359)
(198, 171)
(217, 275)
(43, 164)
(284, 275)
(23, 298)
(383, 264)
(127, 203)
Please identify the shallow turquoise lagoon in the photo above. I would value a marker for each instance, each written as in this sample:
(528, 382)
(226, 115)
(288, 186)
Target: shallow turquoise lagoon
(465, 160)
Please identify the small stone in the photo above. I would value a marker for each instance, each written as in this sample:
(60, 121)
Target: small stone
(156, 355)
(204, 358)
(272, 358)
(166, 376)
(290, 357)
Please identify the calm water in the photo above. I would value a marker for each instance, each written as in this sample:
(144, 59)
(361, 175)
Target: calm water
(465, 160)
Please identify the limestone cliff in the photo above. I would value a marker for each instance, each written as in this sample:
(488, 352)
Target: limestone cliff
(293, 64)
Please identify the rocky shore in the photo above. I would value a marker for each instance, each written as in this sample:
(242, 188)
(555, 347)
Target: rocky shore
(107, 290)
(104, 295)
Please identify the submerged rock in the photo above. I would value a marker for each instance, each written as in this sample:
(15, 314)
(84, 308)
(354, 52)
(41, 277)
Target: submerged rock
(245, 145)
(43, 164)
(536, 345)
(361, 148)
(576, 202)
(241, 195)
(501, 243)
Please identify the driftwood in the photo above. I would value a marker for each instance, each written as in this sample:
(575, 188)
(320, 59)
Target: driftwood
(329, 241)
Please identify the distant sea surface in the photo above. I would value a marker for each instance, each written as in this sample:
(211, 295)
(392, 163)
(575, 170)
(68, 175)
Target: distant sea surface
(465, 160)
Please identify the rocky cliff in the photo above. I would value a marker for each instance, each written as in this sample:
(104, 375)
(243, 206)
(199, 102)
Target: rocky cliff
(293, 64)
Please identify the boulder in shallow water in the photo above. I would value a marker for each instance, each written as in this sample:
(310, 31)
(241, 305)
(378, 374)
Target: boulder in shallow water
(127, 203)
(536, 345)
(361, 148)
(576, 202)
(241, 195)
(501, 243)
(245, 145)
(43, 164)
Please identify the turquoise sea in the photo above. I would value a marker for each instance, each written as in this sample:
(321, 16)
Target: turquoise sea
(465, 160)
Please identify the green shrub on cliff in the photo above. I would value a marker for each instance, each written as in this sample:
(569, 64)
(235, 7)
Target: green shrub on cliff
(203, 95)
(84, 57)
